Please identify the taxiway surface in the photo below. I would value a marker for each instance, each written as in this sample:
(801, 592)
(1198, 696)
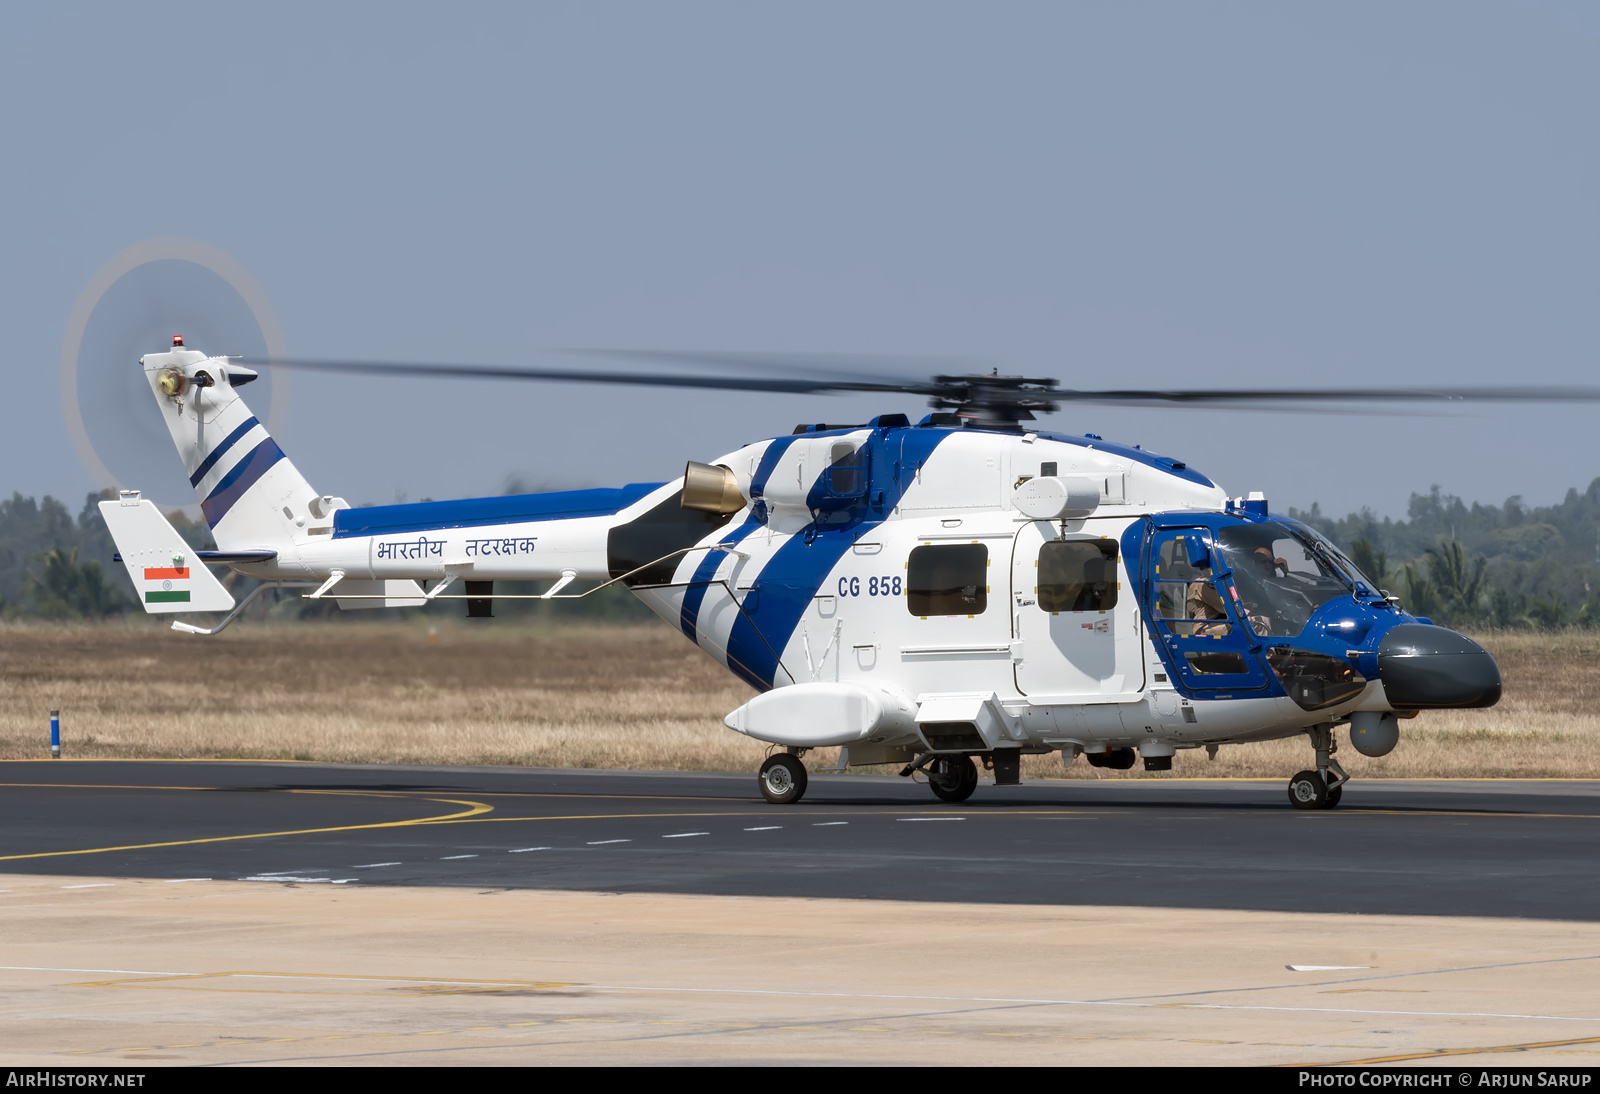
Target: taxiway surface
(1476, 848)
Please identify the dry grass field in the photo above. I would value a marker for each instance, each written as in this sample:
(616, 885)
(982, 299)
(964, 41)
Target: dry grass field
(605, 696)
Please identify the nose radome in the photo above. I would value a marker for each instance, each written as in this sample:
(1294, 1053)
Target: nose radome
(1426, 666)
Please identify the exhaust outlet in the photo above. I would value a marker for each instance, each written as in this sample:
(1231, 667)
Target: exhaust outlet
(711, 489)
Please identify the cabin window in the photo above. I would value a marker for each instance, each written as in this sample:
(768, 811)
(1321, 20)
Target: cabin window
(1078, 575)
(948, 579)
(844, 470)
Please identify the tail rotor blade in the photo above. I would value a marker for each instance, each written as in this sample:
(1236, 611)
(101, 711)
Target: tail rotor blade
(139, 314)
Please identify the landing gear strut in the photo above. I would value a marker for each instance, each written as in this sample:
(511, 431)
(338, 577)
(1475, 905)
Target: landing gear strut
(1322, 788)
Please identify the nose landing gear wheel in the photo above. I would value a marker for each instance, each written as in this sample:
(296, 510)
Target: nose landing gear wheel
(1308, 791)
(782, 779)
(953, 779)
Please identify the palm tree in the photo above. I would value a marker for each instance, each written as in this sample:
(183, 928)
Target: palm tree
(68, 588)
(1548, 612)
(1372, 563)
(1417, 594)
(1460, 586)
(1507, 610)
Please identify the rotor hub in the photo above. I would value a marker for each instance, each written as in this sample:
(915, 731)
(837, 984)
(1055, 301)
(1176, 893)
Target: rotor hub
(994, 401)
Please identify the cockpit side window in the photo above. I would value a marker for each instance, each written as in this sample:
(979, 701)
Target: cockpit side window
(1187, 599)
(1279, 579)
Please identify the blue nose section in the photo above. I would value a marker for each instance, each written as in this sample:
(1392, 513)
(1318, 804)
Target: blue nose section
(1426, 666)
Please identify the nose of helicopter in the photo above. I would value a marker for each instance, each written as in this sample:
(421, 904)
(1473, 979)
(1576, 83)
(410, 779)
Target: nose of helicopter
(1426, 666)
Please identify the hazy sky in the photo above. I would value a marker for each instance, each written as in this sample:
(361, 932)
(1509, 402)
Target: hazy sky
(1112, 194)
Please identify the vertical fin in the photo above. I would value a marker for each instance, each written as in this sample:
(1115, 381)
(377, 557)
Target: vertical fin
(250, 492)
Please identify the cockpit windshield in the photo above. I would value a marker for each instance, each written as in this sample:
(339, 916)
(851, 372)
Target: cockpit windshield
(1340, 559)
(1280, 579)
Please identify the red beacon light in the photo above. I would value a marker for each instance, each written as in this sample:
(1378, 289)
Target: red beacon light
(177, 341)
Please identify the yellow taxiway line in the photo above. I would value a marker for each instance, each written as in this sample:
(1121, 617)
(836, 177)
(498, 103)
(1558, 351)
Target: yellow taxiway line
(473, 809)
(1526, 1047)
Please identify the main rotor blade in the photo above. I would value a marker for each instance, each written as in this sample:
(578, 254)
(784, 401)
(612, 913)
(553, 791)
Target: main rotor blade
(1334, 400)
(789, 385)
(1248, 398)
(845, 367)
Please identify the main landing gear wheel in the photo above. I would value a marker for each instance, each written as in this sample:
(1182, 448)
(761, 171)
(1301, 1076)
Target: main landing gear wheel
(1334, 795)
(1308, 791)
(953, 778)
(782, 779)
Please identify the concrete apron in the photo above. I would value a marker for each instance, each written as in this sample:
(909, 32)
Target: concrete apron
(120, 972)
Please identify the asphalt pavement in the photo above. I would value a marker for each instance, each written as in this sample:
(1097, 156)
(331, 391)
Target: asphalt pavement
(1446, 847)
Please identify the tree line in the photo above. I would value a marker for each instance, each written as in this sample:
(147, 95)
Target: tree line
(59, 567)
(1506, 566)
(55, 566)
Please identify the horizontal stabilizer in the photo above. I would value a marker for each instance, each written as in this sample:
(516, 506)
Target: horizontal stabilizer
(236, 556)
(225, 556)
(167, 573)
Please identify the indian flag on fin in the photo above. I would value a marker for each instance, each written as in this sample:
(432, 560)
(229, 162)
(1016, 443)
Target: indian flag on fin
(168, 591)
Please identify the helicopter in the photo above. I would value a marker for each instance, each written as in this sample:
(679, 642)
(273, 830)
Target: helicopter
(934, 595)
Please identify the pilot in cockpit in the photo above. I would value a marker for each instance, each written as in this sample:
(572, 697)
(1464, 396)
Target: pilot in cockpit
(1266, 566)
(1202, 601)
(1266, 569)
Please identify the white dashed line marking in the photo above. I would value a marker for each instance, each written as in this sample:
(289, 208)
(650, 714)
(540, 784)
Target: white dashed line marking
(685, 835)
(767, 828)
(96, 885)
(447, 858)
(373, 865)
(288, 877)
(828, 824)
(602, 842)
(176, 880)
(519, 850)
(1323, 968)
(913, 819)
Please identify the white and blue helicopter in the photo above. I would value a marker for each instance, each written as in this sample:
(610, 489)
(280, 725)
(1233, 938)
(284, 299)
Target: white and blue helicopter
(924, 595)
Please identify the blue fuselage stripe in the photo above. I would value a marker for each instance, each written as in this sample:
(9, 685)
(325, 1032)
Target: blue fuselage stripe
(694, 596)
(241, 478)
(800, 566)
(221, 450)
(429, 516)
